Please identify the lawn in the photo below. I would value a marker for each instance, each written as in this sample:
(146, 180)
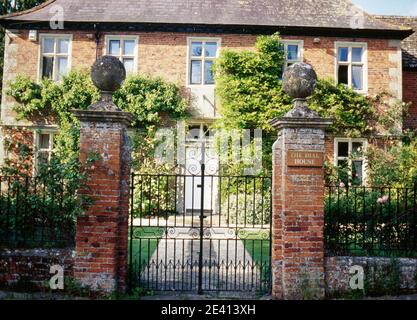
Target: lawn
(258, 249)
(144, 245)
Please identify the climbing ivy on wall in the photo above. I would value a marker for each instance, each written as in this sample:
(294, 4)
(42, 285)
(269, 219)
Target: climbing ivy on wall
(249, 87)
(147, 99)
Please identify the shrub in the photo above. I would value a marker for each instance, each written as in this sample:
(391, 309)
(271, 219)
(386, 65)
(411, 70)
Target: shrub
(254, 209)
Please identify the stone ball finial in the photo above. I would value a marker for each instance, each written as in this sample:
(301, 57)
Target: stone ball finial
(299, 80)
(108, 73)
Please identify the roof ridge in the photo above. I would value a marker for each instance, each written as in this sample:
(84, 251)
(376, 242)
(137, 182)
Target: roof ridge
(371, 16)
(16, 14)
(398, 20)
(394, 16)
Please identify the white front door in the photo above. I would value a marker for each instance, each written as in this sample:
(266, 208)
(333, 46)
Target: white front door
(193, 180)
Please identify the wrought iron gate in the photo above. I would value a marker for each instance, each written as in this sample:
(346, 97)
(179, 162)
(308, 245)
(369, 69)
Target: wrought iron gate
(181, 242)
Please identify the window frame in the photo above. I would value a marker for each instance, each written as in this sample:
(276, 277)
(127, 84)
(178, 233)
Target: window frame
(300, 58)
(204, 134)
(349, 63)
(122, 38)
(55, 36)
(52, 133)
(363, 158)
(203, 59)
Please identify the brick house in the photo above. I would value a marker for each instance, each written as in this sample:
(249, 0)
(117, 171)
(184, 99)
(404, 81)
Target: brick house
(409, 52)
(180, 41)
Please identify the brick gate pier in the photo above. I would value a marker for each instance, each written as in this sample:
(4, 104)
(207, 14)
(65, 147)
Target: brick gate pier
(298, 194)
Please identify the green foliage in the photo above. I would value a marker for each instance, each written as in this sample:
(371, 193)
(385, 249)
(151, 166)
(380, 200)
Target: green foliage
(53, 99)
(251, 95)
(395, 164)
(248, 85)
(147, 99)
(369, 221)
(350, 111)
(254, 209)
(10, 6)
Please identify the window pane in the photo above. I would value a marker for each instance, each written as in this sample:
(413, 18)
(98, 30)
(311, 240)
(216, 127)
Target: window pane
(43, 158)
(63, 46)
(44, 141)
(129, 64)
(47, 67)
(357, 54)
(129, 47)
(196, 49)
(357, 77)
(292, 52)
(194, 132)
(211, 49)
(114, 47)
(343, 54)
(343, 75)
(357, 148)
(343, 149)
(62, 67)
(208, 72)
(357, 172)
(48, 45)
(195, 72)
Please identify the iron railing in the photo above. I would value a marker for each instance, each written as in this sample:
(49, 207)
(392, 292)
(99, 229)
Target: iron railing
(200, 233)
(377, 221)
(35, 213)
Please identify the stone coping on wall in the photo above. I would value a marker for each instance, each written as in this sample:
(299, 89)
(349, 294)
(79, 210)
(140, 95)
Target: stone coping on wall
(338, 277)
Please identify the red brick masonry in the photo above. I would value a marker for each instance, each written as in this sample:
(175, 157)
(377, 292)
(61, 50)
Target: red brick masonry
(298, 217)
(102, 233)
(410, 95)
(33, 265)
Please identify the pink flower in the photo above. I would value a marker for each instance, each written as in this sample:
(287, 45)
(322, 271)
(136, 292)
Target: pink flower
(93, 168)
(382, 200)
(342, 185)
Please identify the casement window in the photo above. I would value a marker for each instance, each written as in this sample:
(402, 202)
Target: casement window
(44, 143)
(124, 48)
(293, 52)
(55, 60)
(351, 65)
(350, 156)
(202, 54)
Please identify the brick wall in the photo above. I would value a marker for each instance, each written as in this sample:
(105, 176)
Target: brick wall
(165, 55)
(33, 265)
(410, 95)
(338, 277)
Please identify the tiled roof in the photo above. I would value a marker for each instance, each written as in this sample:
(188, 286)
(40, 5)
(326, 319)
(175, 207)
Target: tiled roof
(284, 13)
(409, 45)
